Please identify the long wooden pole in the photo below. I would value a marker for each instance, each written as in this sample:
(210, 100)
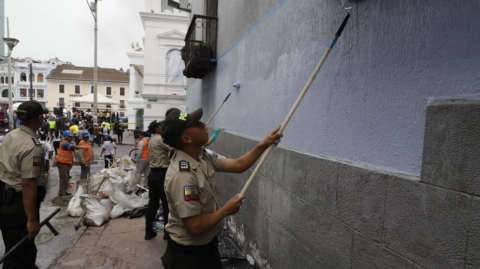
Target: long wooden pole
(299, 99)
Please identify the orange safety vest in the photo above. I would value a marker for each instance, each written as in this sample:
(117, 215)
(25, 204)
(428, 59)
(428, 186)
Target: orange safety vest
(64, 156)
(145, 152)
(87, 154)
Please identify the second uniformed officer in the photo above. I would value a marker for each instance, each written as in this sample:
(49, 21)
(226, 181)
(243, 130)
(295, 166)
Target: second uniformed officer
(156, 178)
(190, 185)
(21, 165)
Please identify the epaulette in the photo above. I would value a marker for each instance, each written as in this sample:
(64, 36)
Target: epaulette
(36, 142)
(184, 166)
(211, 153)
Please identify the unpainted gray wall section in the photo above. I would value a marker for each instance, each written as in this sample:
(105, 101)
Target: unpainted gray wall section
(373, 219)
(452, 145)
(367, 105)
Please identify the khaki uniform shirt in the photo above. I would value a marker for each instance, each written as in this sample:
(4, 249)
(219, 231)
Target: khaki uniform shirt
(158, 152)
(21, 156)
(191, 189)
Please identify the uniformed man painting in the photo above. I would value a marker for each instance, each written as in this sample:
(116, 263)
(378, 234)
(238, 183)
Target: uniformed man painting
(190, 186)
(21, 164)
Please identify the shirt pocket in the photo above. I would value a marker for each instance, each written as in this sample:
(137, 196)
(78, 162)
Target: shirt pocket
(205, 194)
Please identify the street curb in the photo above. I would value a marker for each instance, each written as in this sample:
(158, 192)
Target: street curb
(65, 251)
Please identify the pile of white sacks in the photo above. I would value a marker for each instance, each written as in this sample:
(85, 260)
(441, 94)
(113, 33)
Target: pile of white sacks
(118, 193)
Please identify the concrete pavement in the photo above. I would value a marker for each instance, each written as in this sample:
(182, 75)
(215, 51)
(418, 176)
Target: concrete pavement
(117, 244)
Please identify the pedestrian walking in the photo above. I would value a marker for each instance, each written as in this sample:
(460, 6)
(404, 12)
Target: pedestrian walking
(21, 165)
(85, 155)
(109, 148)
(190, 186)
(136, 134)
(143, 159)
(156, 178)
(98, 134)
(65, 161)
(52, 124)
(43, 181)
(56, 138)
(119, 132)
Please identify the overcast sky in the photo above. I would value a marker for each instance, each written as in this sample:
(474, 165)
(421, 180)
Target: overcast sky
(64, 29)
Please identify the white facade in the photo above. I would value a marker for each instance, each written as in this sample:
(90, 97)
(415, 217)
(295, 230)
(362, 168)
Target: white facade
(163, 89)
(135, 101)
(21, 80)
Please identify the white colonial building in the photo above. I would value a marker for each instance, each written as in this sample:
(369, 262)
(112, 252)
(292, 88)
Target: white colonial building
(163, 87)
(20, 76)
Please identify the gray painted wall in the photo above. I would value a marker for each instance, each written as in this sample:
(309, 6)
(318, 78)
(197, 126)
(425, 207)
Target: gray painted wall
(303, 211)
(367, 106)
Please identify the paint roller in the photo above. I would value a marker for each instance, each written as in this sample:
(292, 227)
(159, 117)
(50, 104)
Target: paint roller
(236, 86)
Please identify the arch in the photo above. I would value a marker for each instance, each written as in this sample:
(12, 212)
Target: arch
(175, 66)
(168, 110)
(23, 77)
(5, 94)
(40, 77)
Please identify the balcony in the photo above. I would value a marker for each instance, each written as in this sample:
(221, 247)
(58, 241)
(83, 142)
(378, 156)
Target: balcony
(200, 51)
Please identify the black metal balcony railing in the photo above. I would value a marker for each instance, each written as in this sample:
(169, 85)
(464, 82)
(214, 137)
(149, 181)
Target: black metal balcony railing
(200, 49)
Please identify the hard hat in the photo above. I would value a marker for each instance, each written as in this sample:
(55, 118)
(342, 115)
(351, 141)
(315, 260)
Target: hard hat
(67, 133)
(85, 134)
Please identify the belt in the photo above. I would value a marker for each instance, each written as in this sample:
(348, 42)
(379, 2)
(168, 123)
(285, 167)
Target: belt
(194, 250)
(158, 169)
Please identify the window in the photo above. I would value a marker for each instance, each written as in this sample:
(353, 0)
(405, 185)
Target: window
(122, 91)
(92, 89)
(3, 80)
(40, 77)
(23, 92)
(23, 77)
(30, 93)
(108, 91)
(91, 105)
(61, 101)
(175, 66)
(40, 94)
(109, 105)
(77, 89)
(122, 103)
(32, 76)
(122, 114)
(76, 104)
(6, 80)
(5, 93)
(61, 88)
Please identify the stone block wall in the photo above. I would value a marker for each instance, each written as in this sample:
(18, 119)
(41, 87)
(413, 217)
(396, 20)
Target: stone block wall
(304, 211)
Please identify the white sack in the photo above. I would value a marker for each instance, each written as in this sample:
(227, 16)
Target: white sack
(74, 209)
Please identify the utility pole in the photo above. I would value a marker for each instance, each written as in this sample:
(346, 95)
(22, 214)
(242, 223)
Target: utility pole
(31, 82)
(10, 102)
(95, 68)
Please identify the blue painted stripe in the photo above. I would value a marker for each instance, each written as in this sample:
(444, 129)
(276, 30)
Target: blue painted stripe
(254, 28)
(333, 43)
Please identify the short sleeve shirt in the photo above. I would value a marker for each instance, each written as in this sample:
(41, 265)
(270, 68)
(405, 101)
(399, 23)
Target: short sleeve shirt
(158, 152)
(21, 156)
(191, 189)
(109, 148)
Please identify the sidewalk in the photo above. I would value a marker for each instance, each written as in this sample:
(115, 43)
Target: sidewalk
(117, 244)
